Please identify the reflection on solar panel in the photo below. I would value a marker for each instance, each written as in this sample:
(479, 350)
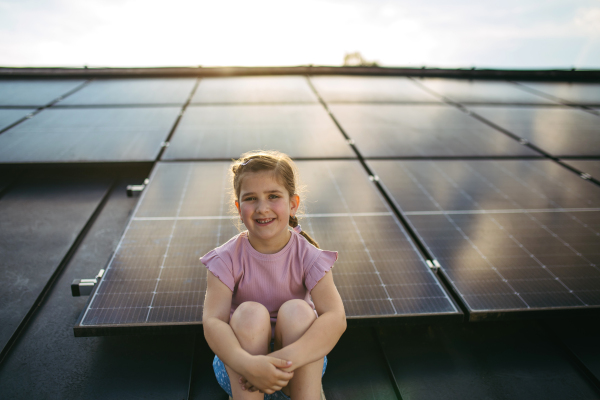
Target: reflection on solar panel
(107, 134)
(576, 93)
(518, 261)
(155, 278)
(484, 185)
(209, 132)
(34, 92)
(468, 91)
(426, 130)
(354, 89)
(133, 91)
(559, 131)
(591, 167)
(258, 89)
(510, 235)
(10, 116)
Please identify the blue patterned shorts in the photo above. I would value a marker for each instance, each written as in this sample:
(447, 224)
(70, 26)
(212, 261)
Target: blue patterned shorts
(223, 379)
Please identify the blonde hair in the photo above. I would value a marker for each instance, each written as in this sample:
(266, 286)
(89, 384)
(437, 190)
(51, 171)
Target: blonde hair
(280, 164)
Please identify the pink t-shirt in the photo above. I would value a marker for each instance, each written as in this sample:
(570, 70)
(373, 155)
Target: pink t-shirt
(269, 279)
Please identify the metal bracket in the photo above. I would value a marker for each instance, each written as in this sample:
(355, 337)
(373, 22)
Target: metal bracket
(83, 287)
(132, 189)
(434, 265)
(585, 176)
(373, 178)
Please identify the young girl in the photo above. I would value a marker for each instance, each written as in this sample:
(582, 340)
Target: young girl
(266, 288)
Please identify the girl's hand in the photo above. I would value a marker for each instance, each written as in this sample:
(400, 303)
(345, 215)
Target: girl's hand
(264, 373)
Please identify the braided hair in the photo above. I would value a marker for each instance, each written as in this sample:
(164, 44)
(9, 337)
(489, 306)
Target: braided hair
(283, 168)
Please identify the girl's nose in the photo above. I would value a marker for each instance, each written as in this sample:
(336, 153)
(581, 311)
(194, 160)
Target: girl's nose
(262, 206)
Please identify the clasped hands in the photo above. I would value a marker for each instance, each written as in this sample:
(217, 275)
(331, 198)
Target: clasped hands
(266, 374)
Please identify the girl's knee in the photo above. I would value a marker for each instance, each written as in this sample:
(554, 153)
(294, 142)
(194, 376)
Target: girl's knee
(250, 317)
(296, 312)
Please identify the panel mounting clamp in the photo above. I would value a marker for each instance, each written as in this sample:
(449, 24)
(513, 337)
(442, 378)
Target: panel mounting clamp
(434, 265)
(373, 178)
(131, 189)
(585, 176)
(83, 287)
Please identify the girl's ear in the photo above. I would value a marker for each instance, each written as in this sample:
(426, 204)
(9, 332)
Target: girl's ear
(237, 205)
(294, 204)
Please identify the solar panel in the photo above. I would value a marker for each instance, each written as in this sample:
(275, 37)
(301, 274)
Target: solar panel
(106, 134)
(254, 89)
(469, 91)
(213, 132)
(34, 92)
(422, 130)
(133, 91)
(572, 92)
(591, 167)
(362, 89)
(559, 131)
(10, 116)
(155, 278)
(432, 186)
(510, 235)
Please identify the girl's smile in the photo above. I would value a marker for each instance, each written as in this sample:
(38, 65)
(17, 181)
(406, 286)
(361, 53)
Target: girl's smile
(265, 208)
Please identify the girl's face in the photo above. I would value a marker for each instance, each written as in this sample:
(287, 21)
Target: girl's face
(265, 207)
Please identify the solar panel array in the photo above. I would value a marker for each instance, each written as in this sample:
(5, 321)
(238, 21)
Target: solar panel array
(225, 132)
(422, 131)
(171, 91)
(34, 93)
(88, 135)
(510, 235)
(558, 131)
(155, 277)
(513, 231)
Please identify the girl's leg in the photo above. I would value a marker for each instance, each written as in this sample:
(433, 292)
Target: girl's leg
(294, 318)
(251, 324)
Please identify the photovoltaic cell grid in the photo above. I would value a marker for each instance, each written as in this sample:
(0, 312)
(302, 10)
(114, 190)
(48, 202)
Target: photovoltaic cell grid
(34, 92)
(155, 277)
(10, 116)
(479, 91)
(575, 93)
(363, 89)
(591, 167)
(173, 91)
(217, 132)
(422, 130)
(510, 235)
(254, 89)
(558, 131)
(75, 135)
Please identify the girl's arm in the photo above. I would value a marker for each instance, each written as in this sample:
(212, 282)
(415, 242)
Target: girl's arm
(220, 337)
(324, 333)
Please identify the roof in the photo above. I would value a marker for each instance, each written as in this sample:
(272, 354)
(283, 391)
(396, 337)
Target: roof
(71, 141)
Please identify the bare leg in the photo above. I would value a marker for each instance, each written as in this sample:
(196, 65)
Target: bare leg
(252, 326)
(294, 318)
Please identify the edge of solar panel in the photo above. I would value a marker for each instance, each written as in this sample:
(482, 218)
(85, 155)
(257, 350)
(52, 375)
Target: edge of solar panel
(494, 314)
(81, 330)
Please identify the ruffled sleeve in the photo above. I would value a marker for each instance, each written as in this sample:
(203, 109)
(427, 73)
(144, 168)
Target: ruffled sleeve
(219, 268)
(319, 267)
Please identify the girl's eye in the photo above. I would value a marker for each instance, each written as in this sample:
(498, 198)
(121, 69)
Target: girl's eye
(273, 196)
(249, 198)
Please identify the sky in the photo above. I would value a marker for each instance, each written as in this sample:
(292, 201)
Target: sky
(524, 34)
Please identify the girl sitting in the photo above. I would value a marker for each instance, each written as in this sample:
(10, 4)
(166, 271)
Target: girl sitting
(272, 311)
